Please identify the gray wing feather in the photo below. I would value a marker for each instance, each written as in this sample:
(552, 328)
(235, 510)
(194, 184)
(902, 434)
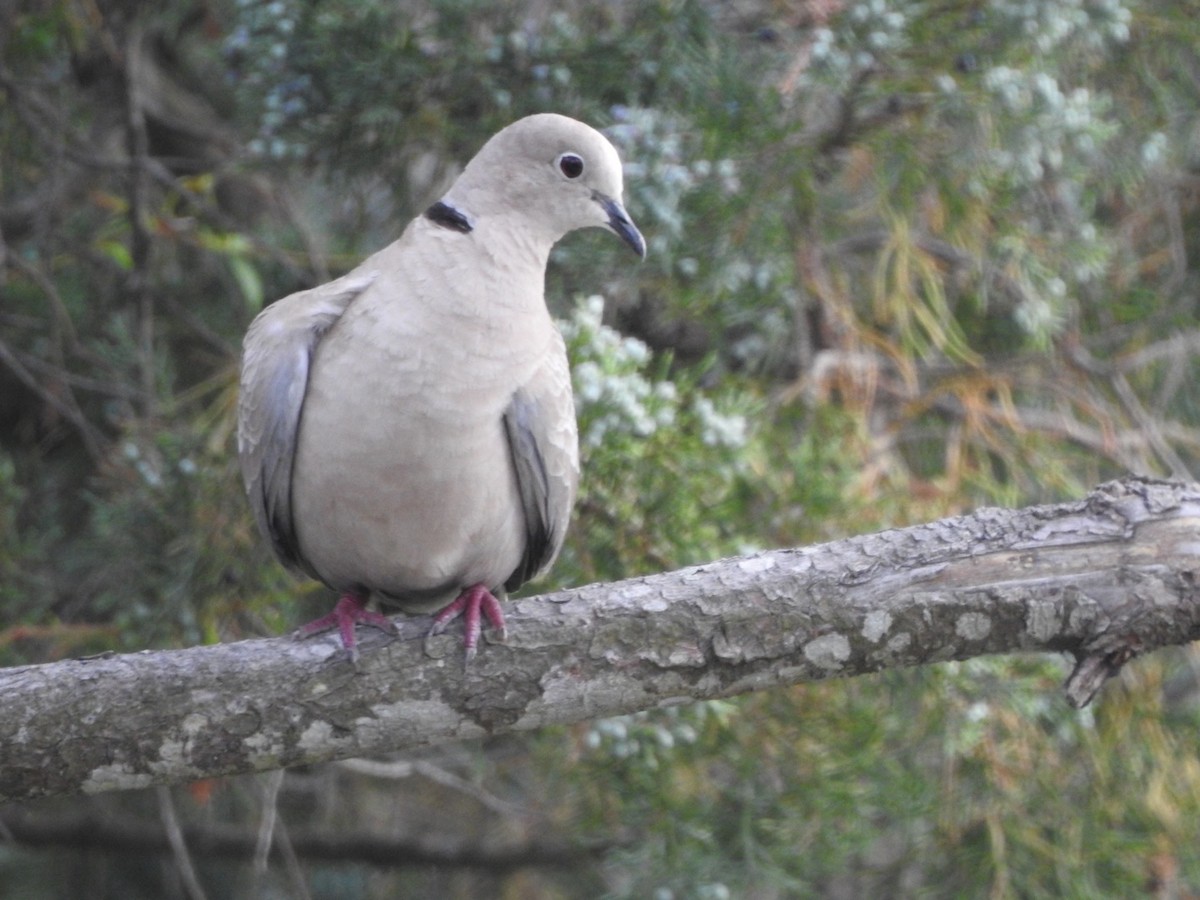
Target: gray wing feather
(276, 358)
(543, 448)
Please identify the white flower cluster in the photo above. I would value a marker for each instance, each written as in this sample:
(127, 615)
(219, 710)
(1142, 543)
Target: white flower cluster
(651, 735)
(1052, 23)
(145, 466)
(626, 736)
(1154, 150)
(150, 465)
(1053, 124)
(715, 890)
(867, 31)
(718, 429)
(1040, 315)
(662, 170)
(611, 392)
(257, 48)
(613, 395)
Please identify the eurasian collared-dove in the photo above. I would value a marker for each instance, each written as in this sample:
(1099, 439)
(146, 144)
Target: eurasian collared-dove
(408, 430)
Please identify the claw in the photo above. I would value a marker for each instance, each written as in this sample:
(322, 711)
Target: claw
(475, 601)
(350, 610)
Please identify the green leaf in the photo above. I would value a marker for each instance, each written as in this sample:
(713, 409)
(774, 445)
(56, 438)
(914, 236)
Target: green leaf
(248, 281)
(117, 252)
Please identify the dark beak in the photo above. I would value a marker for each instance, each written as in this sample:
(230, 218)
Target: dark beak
(619, 221)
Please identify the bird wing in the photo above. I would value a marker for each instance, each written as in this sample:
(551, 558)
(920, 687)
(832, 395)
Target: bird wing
(543, 448)
(277, 356)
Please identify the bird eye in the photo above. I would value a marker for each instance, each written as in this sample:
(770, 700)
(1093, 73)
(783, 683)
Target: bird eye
(570, 165)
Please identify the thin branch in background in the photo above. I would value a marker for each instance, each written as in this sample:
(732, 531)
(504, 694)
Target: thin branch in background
(1174, 378)
(1176, 350)
(283, 842)
(271, 783)
(66, 339)
(316, 258)
(113, 388)
(95, 830)
(64, 327)
(1176, 243)
(139, 282)
(93, 441)
(222, 221)
(63, 339)
(401, 769)
(181, 314)
(1081, 357)
(807, 264)
(1149, 426)
(993, 279)
(174, 835)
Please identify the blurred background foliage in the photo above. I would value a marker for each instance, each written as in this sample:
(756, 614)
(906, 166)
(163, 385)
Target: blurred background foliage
(907, 258)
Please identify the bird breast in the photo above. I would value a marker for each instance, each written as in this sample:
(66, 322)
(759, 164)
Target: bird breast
(402, 482)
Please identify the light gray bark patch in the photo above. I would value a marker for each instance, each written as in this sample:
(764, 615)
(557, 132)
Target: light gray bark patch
(829, 651)
(876, 625)
(973, 626)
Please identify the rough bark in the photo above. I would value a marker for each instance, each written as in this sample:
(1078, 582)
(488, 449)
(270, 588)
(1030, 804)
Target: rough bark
(1105, 578)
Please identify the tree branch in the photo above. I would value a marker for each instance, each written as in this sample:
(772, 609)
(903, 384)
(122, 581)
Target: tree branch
(1105, 578)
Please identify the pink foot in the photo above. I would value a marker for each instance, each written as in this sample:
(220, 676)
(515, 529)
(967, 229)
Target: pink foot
(470, 603)
(350, 610)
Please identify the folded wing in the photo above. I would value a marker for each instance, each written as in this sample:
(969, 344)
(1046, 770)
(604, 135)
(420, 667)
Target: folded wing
(276, 359)
(540, 425)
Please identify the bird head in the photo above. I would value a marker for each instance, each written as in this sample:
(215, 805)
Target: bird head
(556, 174)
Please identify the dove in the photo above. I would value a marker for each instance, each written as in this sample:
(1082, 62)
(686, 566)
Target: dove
(407, 431)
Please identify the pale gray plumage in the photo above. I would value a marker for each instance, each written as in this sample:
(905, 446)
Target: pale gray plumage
(408, 430)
